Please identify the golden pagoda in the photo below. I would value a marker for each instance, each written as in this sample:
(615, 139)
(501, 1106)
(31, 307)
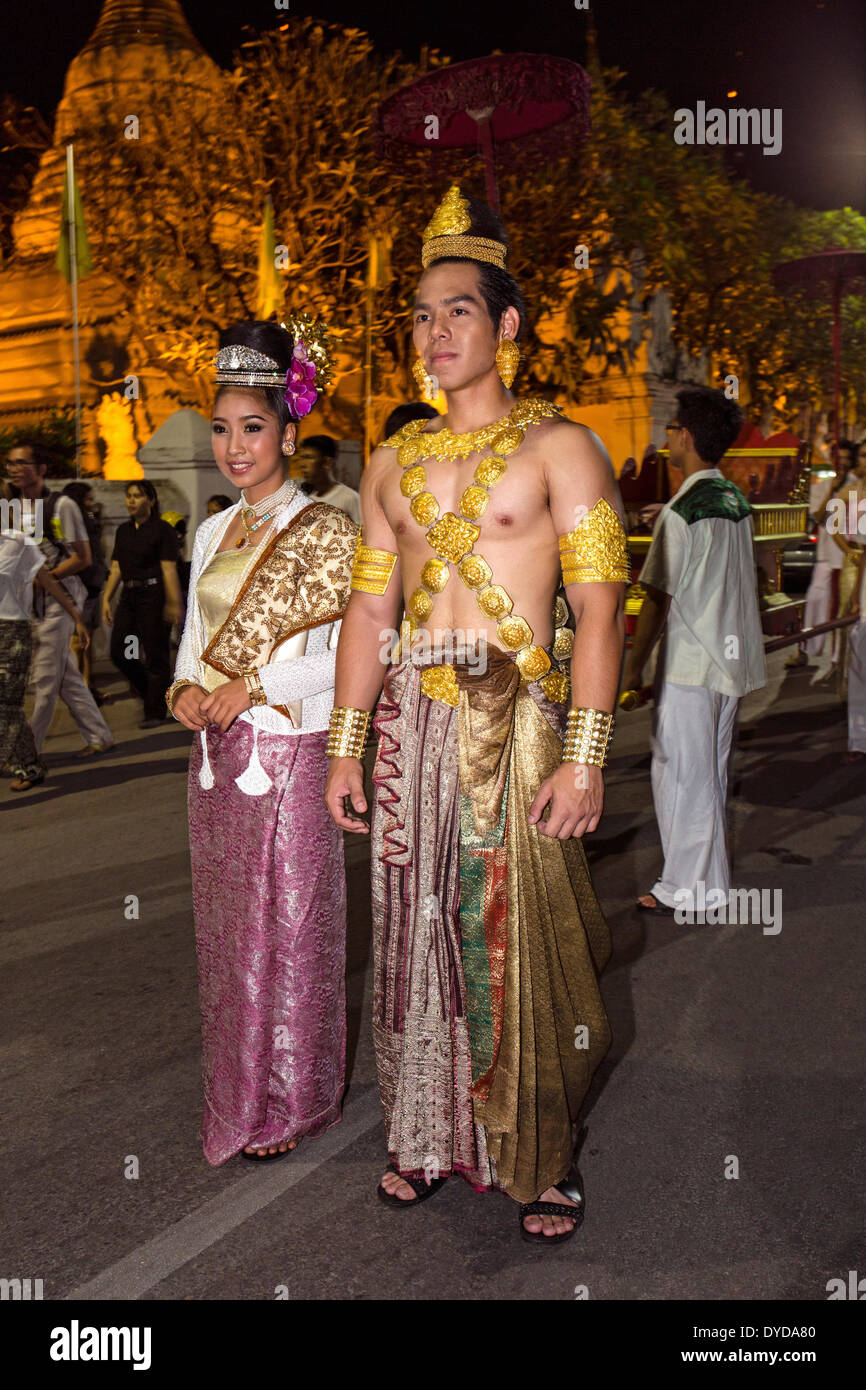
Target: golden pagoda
(138, 49)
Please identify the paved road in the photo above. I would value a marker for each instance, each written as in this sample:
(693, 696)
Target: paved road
(730, 1044)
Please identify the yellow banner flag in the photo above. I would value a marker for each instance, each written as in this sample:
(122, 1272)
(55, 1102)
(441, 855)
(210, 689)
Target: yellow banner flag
(63, 259)
(379, 262)
(270, 293)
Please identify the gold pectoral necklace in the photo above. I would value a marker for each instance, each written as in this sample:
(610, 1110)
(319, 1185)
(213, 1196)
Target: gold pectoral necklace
(453, 536)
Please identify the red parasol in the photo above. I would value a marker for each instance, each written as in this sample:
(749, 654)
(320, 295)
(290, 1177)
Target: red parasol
(541, 101)
(827, 275)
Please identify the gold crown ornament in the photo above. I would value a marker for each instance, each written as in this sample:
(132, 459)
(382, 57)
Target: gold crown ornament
(444, 235)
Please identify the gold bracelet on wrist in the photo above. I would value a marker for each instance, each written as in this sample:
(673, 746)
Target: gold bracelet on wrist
(255, 689)
(347, 732)
(174, 690)
(588, 733)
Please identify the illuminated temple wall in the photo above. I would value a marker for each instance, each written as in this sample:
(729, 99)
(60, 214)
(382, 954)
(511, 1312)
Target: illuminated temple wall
(136, 49)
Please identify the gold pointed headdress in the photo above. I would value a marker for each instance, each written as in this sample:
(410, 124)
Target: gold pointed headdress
(444, 234)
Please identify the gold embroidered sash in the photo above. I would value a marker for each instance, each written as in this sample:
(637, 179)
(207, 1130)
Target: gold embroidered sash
(300, 581)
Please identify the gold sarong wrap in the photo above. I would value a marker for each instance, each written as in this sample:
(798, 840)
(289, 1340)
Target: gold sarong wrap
(487, 936)
(300, 581)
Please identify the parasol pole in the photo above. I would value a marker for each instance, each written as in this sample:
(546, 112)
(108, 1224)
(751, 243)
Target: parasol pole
(837, 360)
(73, 272)
(481, 116)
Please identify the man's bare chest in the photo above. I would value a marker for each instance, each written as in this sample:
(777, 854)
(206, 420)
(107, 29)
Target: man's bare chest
(512, 506)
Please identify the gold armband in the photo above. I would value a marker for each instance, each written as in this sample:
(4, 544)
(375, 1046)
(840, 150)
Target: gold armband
(371, 569)
(588, 733)
(255, 689)
(595, 552)
(347, 732)
(174, 690)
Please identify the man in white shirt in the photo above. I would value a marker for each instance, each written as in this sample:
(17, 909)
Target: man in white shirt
(701, 588)
(65, 545)
(317, 456)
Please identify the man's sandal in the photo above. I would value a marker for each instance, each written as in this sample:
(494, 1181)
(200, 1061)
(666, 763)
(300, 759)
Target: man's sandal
(419, 1186)
(571, 1187)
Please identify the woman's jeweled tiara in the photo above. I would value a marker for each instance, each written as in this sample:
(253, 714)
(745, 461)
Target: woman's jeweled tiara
(309, 370)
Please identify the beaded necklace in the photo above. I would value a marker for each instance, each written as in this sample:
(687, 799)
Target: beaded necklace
(255, 514)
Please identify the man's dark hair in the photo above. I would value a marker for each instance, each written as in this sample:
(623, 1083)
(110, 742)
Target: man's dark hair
(711, 419)
(42, 457)
(323, 444)
(499, 289)
(847, 444)
(412, 410)
(222, 499)
(278, 344)
(150, 493)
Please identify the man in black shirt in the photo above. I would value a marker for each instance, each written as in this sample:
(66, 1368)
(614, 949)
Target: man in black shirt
(145, 562)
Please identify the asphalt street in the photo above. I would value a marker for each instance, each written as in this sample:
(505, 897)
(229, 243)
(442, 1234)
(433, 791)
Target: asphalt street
(725, 1128)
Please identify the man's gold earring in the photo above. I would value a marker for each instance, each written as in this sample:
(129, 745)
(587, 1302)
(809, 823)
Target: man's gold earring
(507, 358)
(428, 385)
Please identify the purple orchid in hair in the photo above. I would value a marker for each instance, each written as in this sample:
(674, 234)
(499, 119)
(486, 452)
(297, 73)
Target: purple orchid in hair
(301, 394)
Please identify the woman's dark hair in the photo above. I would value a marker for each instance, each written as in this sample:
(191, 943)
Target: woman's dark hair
(711, 419)
(221, 498)
(278, 344)
(147, 487)
(499, 289)
(77, 491)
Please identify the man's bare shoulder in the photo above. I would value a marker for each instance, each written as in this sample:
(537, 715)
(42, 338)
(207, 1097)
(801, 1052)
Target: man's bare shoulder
(381, 464)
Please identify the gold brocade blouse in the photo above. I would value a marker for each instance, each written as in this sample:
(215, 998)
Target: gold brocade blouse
(217, 590)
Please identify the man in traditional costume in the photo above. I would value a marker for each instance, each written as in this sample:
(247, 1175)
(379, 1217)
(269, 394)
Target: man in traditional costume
(255, 672)
(488, 936)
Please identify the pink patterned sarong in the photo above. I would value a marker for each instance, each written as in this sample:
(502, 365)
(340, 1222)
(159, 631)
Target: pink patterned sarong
(269, 895)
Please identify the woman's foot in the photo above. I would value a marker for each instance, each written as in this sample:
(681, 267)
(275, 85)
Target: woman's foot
(285, 1146)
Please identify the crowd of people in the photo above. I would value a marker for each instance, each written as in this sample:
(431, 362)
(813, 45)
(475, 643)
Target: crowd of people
(138, 596)
(488, 937)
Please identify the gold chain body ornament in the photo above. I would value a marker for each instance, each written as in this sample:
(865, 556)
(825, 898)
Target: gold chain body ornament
(452, 537)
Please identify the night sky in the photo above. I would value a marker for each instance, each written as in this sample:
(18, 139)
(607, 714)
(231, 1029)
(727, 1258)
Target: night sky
(806, 56)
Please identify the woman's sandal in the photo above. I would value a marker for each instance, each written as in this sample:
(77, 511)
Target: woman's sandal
(268, 1158)
(419, 1186)
(570, 1187)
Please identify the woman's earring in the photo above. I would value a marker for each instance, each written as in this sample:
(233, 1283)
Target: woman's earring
(428, 385)
(507, 358)
(288, 448)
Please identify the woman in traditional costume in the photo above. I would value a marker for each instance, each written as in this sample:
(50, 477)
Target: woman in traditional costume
(254, 679)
